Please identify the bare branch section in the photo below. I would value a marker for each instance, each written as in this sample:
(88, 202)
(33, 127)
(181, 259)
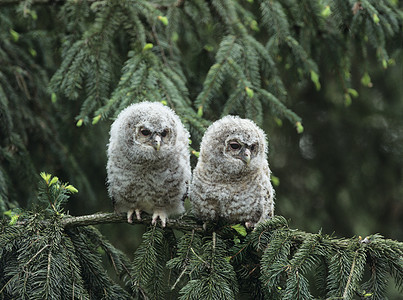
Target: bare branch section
(36, 1)
(179, 3)
(32, 2)
(184, 223)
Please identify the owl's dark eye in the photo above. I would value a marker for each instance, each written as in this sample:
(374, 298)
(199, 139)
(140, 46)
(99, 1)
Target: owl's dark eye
(234, 145)
(145, 132)
(252, 148)
(164, 133)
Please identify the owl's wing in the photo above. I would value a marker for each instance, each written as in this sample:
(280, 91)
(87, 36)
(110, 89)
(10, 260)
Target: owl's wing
(270, 202)
(186, 194)
(269, 199)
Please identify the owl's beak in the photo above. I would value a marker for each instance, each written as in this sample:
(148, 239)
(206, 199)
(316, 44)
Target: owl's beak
(245, 155)
(157, 142)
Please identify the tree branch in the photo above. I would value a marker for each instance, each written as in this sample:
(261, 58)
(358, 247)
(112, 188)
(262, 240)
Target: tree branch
(184, 222)
(38, 1)
(5, 2)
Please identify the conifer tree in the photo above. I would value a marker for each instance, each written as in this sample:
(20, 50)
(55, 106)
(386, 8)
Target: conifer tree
(83, 61)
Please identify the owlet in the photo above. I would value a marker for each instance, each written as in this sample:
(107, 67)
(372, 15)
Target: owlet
(148, 162)
(232, 177)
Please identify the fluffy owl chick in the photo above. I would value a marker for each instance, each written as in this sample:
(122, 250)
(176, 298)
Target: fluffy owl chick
(148, 162)
(232, 177)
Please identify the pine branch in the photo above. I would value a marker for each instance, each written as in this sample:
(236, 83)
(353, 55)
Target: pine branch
(283, 257)
(5, 2)
(32, 2)
(184, 223)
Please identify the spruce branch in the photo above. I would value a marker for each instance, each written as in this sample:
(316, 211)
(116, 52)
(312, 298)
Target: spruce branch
(184, 223)
(284, 257)
(23, 268)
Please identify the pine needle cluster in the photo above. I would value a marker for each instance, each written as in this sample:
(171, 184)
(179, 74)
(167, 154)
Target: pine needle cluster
(39, 259)
(245, 61)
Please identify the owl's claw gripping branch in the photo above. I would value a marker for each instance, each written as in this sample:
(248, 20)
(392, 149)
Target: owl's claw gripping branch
(138, 214)
(130, 215)
(162, 215)
(249, 225)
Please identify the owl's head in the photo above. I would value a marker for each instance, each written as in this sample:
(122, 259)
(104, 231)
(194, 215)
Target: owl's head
(233, 145)
(148, 130)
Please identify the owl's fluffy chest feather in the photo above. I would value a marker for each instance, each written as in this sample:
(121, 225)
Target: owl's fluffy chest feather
(243, 199)
(140, 188)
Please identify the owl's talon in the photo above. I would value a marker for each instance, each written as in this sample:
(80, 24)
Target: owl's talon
(162, 216)
(130, 213)
(249, 225)
(138, 214)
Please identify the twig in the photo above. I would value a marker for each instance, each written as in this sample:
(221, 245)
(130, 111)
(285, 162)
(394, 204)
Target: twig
(33, 2)
(179, 278)
(345, 294)
(38, 2)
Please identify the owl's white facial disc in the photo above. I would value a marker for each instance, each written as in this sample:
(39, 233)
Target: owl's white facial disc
(233, 146)
(151, 140)
(153, 137)
(149, 131)
(236, 149)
